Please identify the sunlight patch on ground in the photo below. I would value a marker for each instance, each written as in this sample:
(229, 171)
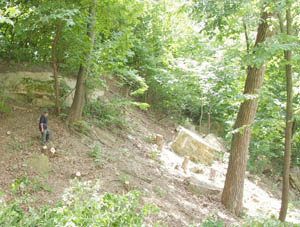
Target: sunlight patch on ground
(257, 201)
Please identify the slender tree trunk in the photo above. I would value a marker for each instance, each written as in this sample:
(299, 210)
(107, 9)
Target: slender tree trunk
(76, 110)
(54, 64)
(209, 122)
(232, 196)
(289, 124)
(201, 117)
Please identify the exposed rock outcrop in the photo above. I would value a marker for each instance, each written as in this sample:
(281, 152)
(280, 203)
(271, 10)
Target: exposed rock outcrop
(188, 143)
(38, 87)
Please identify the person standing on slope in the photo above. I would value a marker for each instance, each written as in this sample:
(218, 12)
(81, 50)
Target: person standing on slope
(44, 128)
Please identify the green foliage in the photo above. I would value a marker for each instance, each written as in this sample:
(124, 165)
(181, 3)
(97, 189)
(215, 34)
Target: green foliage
(64, 90)
(142, 106)
(82, 206)
(212, 222)
(7, 14)
(14, 146)
(108, 113)
(32, 85)
(124, 179)
(153, 155)
(158, 191)
(20, 185)
(187, 59)
(81, 126)
(24, 185)
(4, 107)
(272, 222)
(97, 154)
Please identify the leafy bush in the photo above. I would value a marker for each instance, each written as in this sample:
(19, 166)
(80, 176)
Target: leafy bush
(24, 185)
(81, 126)
(212, 222)
(82, 205)
(107, 112)
(272, 222)
(97, 154)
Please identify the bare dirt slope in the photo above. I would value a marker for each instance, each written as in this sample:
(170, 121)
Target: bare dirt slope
(125, 156)
(129, 156)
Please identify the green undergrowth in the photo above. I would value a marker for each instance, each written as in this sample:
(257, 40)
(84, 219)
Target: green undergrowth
(82, 205)
(107, 113)
(213, 221)
(4, 106)
(111, 112)
(270, 222)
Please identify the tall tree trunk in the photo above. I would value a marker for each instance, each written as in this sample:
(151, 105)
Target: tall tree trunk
(232, 196)
(76, 110)
(54, 64)
(289, 123)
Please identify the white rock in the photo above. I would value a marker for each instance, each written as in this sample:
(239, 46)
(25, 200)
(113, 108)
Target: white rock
(8, 133)
(188, 143)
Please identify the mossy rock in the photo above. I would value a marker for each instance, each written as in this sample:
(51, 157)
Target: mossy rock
(39, 163)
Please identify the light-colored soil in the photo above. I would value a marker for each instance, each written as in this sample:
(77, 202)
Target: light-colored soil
(126, 155)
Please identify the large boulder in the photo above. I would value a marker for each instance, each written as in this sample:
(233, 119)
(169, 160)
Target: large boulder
(295, 178)
(188, 143)
(215, 142)
(199, 187)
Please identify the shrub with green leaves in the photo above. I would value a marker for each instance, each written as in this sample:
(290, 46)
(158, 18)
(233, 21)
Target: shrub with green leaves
(108, 112)
(82, 205)
(81, 126)
(97, 154)
(271, 222)
(212, 222)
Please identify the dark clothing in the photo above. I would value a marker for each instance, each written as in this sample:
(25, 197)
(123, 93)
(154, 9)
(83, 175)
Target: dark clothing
(43, 120)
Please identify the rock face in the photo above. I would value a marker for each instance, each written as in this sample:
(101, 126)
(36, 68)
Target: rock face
(190, 144)
(38, 87)
(202, 188)
(295, 178)
(215, 142)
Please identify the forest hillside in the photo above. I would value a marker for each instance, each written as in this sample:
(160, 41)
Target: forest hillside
(161, 113)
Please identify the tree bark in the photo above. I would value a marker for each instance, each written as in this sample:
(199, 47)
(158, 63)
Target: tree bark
(76, 110)
(289, 124)
(201, 117)
(246, 36)
(232, 196)
(55, 68)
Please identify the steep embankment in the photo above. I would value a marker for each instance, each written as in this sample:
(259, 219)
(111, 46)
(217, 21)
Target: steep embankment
(121, 160)
(127, 160)
(129, 156)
